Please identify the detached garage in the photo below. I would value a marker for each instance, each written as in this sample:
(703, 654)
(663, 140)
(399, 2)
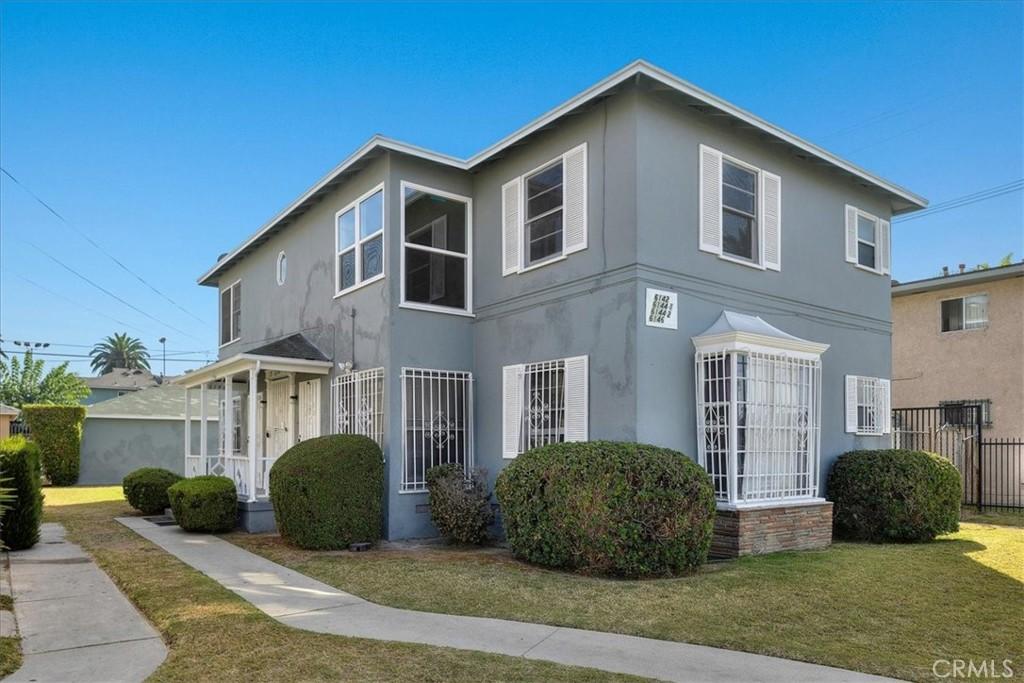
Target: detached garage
(142, 429)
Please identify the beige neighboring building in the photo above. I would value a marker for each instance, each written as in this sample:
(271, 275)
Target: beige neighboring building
(960, 338)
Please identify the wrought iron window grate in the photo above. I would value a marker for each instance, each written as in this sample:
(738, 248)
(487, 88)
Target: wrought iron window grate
(437, 419)
(357, 402)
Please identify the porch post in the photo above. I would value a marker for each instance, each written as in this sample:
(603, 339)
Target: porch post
(253, 373)
(229, 422)
(203, 429)
(733, 431)
(293, 413)
(188, 427)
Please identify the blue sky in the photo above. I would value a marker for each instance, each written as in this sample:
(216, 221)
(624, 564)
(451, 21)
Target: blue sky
(169, 132)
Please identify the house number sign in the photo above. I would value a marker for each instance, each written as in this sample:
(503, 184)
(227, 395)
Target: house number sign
(661, 309)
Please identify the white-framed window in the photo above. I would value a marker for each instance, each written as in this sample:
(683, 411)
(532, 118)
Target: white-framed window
(758, 422)
(867, 241)
(359, 242)
(357, 404)
(960, 412)
(544, 213)
(964, 313)
(437, 262)
(867, 406)
(231, 313)
(239, 442)
(544, 403)
(281, 268)
(437, 423)
(740, 211)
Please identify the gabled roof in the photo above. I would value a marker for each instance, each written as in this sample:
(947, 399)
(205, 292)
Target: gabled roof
(738, 331)
(164, 402)
(122, 379)
(903, 200)
(294, 346)
(8, 410)
(974, 277)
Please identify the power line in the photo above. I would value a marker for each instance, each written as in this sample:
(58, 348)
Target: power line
(177, 352)
(966, 200)
(79, 305)
(91, 241)
(84, 357)
(108, 292)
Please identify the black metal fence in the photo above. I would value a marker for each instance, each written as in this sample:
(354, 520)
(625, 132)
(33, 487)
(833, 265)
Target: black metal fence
(20, 427)
(992, 470)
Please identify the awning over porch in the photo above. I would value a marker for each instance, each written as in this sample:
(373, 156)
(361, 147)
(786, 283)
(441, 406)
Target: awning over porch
(244, 385)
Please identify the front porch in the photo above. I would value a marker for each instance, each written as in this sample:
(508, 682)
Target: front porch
(274, 394)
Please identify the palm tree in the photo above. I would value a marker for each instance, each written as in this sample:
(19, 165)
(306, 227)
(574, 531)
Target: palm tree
(119, 351)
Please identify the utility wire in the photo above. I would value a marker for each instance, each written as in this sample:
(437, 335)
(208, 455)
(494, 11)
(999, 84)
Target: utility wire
(109, 293)
(91, 241)
(966, 200)
(77, 305)
(84, 357)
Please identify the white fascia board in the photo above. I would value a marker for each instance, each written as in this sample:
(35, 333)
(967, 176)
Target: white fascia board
(243, 361)
(177, 418)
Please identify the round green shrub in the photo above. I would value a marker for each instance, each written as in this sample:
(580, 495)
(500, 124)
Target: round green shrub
(21, 472)
(146, 489)
(894, 495)
(206, 503)
(604, 507)
(328, 492)
(460, 507)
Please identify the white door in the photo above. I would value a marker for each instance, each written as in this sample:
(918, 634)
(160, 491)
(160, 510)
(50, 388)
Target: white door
(309, 409)
(277, 418)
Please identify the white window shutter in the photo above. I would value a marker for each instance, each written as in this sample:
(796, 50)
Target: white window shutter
(511, 409)
(851, 404)
(574, 166)
(710, 200)
(771, 220)
(577, 398)
(851, 234)
(885, 401)
(511, 219)
(883, 247)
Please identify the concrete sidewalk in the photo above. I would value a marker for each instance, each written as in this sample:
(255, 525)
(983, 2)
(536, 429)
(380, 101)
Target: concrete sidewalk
(75, 624)
(300, 601)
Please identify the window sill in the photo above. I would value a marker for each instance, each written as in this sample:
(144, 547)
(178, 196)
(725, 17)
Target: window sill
(741, 262)
(362, 284)
(548, 262)
(966, 329)
(404, 492)
(236, 339)
(872, 433)
(873, 271)
(428, 308)
(767, 504)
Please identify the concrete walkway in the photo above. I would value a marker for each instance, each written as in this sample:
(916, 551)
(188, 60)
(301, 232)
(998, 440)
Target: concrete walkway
(75, 624)
(300, 601)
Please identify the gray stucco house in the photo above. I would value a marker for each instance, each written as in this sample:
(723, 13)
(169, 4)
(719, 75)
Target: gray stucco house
(645, 262)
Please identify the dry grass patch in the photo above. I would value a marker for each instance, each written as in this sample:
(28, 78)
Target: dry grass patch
(213, 635)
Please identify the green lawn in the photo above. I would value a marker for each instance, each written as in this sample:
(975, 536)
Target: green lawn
(884, 609)
(213, 635)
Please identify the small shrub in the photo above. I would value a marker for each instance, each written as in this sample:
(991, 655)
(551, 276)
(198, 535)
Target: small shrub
(894, 495)
(604, 507)
(58, 431)
(328, 492)
(460, 508)
(19, 467)
(146, 489)
(205, 503)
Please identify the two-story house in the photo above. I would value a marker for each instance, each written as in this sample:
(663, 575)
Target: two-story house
(645, 262)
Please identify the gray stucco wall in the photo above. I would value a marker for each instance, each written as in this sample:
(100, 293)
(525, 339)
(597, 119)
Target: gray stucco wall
(642, 231)
(113, 447)
(97, 395)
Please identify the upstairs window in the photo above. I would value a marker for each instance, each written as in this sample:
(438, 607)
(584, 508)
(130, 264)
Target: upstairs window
(359, 242)
(231, 313)
(867, 241)
(740, 211)
(867, 406)
(437, 273)
(965, 313)
(544, 403)
(544, 213)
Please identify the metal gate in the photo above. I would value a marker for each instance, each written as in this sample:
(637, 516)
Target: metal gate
(992, 470)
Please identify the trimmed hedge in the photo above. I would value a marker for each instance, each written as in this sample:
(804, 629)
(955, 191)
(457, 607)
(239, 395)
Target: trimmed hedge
(146, 489)
(460, 508)
(205, 503)
(894, 495)
(19, 465)
(605, 507)
(328, 492)
(58, 431)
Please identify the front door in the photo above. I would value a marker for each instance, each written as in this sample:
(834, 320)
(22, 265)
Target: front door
(309, 409)
(277, 418)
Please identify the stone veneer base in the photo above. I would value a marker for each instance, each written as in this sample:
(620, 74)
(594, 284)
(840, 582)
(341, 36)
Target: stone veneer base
(760, 530)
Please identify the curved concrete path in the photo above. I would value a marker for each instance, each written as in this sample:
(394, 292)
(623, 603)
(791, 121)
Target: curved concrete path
(75, 624)
(300, 601)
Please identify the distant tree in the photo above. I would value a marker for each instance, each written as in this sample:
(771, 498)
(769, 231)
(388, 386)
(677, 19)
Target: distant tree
(119, 351)
(23, 381)
(1007, 260)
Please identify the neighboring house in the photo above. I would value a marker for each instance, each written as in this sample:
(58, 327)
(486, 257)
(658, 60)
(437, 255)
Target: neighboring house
(117, 382)
(959, 340)
(142, 428)
(645, 262)
(7, 415)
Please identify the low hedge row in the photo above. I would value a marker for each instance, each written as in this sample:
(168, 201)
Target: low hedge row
(145, 489)
(207, 503)
(58, 431)
(20, 471)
